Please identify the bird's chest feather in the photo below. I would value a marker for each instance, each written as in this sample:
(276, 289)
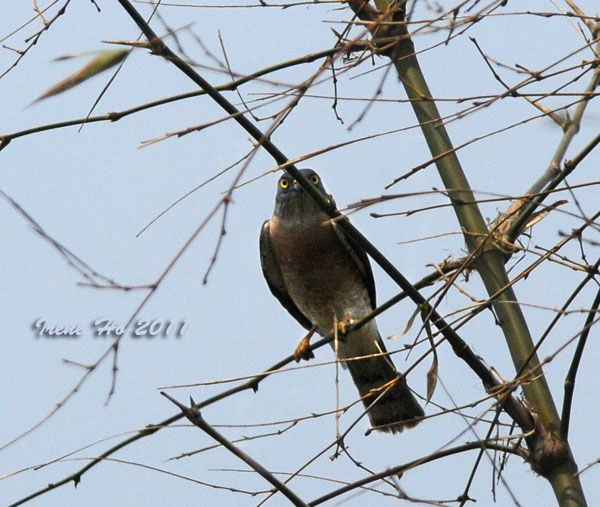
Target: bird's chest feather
(320, 275)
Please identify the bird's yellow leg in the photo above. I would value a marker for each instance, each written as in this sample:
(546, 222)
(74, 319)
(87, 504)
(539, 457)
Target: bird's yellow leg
(303, 349)
(342, 327)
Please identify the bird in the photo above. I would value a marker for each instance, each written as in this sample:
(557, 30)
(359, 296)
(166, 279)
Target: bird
(323, 278)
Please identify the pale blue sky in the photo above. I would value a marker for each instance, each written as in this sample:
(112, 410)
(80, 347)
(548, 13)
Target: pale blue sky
(94, 190)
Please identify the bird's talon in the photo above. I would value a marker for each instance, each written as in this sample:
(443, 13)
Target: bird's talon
(342, 329)
(303, 350)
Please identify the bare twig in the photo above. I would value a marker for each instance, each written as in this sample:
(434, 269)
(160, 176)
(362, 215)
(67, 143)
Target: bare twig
(195, 417)
(410, 465)
(33, 39)
(572, 373)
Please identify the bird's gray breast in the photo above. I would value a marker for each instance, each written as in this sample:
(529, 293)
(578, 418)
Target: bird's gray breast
(319, 273)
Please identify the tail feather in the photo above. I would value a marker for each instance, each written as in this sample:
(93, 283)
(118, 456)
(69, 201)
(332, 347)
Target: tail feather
(390, 403)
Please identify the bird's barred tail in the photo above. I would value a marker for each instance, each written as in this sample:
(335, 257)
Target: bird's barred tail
(390, 403)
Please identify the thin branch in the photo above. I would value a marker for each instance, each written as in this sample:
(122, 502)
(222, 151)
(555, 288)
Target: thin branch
(33, 40)
(251, 384)
(551, 463)
(571, 375)
(73, 260)
(460, 347)
(554, 175)
(153, 428)
(557, 119)
(195, 417)
(591, 273)
(464, 497)
(413, 464)
(230, 86)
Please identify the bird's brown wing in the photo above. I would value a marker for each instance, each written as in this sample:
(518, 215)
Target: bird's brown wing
(272, 273)
(361, 260)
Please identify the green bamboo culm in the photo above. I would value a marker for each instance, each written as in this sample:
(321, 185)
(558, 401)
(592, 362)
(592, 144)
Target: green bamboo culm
(552, 457)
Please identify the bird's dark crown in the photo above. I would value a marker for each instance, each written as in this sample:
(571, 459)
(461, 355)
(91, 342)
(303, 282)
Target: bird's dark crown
(291, 200)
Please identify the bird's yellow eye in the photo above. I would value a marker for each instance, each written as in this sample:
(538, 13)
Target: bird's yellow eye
(283, 183)
(314, 179)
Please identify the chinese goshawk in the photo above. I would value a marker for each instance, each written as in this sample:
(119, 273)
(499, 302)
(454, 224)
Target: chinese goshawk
(322, 277)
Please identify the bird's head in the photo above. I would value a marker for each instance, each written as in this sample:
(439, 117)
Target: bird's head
(292, 201)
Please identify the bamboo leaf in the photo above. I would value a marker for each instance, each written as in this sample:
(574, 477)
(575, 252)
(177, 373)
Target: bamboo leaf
(540, 215)
(432, 377)
(432, 374)
(102, 62)
(408, 326)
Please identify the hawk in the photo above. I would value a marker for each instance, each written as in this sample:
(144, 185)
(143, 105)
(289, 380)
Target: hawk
(323, 279)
